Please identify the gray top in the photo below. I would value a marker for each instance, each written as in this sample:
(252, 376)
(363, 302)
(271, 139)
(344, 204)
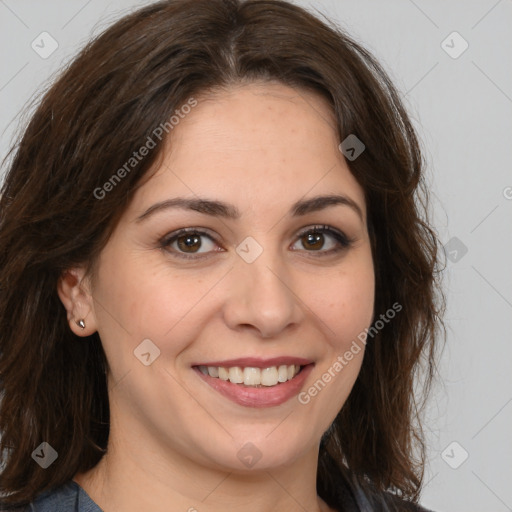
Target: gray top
(71, 497)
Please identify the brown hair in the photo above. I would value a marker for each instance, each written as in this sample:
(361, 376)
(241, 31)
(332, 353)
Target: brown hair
(125, 83)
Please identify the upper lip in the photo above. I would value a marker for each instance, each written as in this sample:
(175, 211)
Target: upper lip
(258, 362)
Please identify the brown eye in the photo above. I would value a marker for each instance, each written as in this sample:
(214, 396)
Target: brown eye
(314, 241)
(189, 243)
(323, 239)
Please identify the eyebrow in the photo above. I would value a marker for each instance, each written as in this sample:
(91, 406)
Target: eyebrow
(229, 211)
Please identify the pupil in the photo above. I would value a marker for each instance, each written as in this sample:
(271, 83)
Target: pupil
(315, 239)
(190, 241)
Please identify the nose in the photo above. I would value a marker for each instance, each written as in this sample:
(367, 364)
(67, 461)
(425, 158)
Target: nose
(261, 297)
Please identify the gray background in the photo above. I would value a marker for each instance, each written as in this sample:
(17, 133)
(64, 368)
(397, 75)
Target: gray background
(462, 109)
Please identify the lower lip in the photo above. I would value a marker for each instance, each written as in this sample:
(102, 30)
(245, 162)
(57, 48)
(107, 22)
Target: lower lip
(258, 397)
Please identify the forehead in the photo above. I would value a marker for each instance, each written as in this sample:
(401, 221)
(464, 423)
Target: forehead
(264, 141)
(250, 116)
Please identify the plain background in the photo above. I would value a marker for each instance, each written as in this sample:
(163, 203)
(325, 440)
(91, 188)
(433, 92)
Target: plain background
(462, 108)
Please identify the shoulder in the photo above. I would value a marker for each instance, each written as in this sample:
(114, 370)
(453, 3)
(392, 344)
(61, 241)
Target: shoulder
(386, 502)
(367, 499)
(405, 506)
(69, 497)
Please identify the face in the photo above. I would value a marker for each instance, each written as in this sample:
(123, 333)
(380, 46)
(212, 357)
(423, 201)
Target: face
(264, 277)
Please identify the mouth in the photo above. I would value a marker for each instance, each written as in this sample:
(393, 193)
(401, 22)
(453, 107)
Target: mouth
(256, 383)
(252, 376)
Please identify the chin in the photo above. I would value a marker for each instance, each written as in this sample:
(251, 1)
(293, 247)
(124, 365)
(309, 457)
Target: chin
(248, 454)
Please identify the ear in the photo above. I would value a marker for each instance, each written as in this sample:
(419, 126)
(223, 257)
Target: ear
(74, 292)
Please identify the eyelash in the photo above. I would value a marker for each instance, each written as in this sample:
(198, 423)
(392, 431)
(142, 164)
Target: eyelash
(343, 241)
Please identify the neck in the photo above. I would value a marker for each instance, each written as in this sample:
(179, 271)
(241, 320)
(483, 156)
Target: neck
(134, 476)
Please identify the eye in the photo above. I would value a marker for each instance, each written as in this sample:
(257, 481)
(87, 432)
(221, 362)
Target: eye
(313, 239)
(188, 242)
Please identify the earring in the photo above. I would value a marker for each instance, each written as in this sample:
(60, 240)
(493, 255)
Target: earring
(81, 323)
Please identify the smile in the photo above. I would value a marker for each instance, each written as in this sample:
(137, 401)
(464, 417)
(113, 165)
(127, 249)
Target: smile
(256, 383)
(251, 376)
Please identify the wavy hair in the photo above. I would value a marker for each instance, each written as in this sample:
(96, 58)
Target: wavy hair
(123, 84)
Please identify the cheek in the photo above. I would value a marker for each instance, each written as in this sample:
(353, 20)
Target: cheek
(144, 298)
(346, 308)
(346, 303)
(164, 303)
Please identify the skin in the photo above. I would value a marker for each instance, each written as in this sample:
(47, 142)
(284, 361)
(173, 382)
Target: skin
(173, 439)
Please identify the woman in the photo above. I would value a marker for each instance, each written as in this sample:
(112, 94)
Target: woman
(217, 281)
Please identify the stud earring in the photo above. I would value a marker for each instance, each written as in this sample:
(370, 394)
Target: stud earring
(81, 324)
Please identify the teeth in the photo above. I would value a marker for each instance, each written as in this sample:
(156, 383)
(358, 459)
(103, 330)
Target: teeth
(269, 376)
(251, 376)
(236, 375)
(213, 371)
(282, 373)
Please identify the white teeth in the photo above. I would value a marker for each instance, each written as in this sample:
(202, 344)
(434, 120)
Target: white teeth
(251, 376)
(236, 375)
(269, 376)
(282, 373)
(213, 371)
(223, 373)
